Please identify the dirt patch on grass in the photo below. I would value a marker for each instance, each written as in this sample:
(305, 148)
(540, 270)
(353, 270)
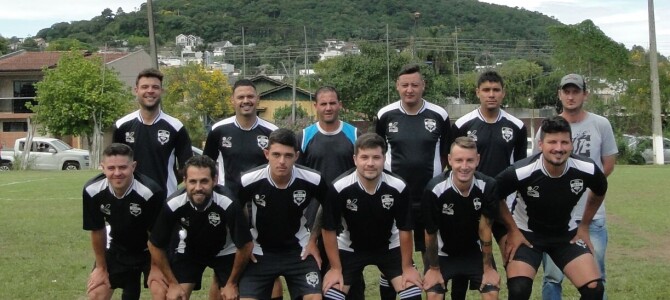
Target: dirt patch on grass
(656, 249)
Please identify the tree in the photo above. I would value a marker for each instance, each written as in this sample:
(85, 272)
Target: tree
(67, 44)
(80, 97)
(4, 45)
(197, 97)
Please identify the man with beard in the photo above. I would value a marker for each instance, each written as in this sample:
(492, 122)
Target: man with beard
(128, 202)
(592, 137)
(160, 141)
(549, 185)
(213, 232)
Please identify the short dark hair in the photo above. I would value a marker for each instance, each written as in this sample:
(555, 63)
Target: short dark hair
(325, 89)
(284, 137)
(555, 124)
(150, 73)
(118, 149)
(464, 142)
(490, 76)
(369, 140)
(243, 82)
(201, 161)
(410, 69)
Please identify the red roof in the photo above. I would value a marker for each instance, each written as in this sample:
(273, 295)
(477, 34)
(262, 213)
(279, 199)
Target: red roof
(35, 61)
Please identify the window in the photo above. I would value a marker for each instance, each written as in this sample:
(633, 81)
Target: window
(23, 89)
(14, 126)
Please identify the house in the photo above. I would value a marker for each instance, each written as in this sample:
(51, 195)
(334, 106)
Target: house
(188, 41)
(274, 94)
(20, 70)
(219, 48)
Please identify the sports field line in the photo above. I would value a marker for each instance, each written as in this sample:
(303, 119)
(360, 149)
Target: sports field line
(25, 181)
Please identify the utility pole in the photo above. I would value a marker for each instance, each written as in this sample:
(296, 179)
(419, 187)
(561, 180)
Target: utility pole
(388, 67)
(657, 131)
(244, 58)
(152, 36)
(458, 67)
(415, 16)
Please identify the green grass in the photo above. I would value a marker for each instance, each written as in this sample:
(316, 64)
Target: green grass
(45, 254)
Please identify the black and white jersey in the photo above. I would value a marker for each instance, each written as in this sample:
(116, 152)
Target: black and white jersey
(129, 217)
(215, 230)
(367, 222)
(544, 203)
(158, 146)
(499, 144)
(278, 220)
(331, 153)
(416, 143)
(237, 150)
(455, 217)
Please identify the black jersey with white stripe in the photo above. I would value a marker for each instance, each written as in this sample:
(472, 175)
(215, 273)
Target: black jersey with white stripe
(455, 217)
(499, 144)
(366, 222)
(331, 153)
(278, 219)
(216, 229)
(416, 143)
(237, 150)
(129, 217)
(158, 147)
(544, 203)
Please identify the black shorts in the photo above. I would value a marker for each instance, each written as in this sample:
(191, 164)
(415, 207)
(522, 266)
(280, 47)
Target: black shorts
(302, 276)
(189, 270)
(469, 267)
(389, 263)
(557, 247)
(499, 230)
(125, 269)
(419, 229)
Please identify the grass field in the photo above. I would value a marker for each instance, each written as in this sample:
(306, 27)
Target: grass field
(45, 254)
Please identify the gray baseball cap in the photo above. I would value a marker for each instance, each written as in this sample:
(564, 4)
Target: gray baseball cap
(575, 79)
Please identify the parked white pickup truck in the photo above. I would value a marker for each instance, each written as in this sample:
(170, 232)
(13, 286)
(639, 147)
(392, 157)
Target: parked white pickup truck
(49, 154)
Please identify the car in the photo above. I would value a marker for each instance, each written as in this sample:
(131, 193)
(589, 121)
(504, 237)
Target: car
(644, 145)
(196, 150)
(45, 153)
(529, 147)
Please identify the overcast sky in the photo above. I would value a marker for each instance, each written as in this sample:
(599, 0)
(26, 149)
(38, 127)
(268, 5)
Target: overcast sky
(625, 21)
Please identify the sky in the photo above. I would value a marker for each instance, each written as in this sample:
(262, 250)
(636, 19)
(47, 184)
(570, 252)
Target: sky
(625, 21)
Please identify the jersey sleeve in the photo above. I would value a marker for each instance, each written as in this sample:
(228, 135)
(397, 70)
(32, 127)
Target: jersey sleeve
(521, 144)
(506, 183)
(212, 145)
(380, 127)
(93, 218)
(598, 184)
(116, 136)
(445, 137)
(238, 224)
(403, 217)
(608, 141)
(491, 201)
(183, 149)
(429, 209)
(162, 229)
(332, 214)
(155, 203)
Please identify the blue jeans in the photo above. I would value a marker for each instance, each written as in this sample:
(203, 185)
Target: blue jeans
(553, 276)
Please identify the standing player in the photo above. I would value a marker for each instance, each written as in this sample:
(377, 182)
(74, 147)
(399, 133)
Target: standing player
(367, 221)
(328, 147)
(129, 203)
(213, 232)
(159, 140)
(417, 133)
(592, 137)
(549, 185)
(458, 209)
(279, 193)
(237, 144)
(501, 140)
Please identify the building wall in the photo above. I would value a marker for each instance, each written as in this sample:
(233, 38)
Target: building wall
(271, 105)
(129, 66)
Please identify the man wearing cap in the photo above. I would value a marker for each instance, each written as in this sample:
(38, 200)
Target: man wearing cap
(592, 137)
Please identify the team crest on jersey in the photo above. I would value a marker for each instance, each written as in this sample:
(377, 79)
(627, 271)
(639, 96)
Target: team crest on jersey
(163, 136)
(227, 142)
(448, 209)
(184, 221)
(130, 137)
(259, 200)
(299, 196)
(477, 203)
(135, 209)
(387, 201)
(352, 204)
(576, 185)
(262, 141)
(312, 278)
(581, 243)
(532, 191)
(214, 219)
(393, 126)
(507, 134)
(430, 124)
(105, 209)
(472, 134)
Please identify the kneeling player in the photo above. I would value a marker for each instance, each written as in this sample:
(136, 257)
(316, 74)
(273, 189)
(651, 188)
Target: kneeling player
(370, 209)
(459, 206)
(208, 218)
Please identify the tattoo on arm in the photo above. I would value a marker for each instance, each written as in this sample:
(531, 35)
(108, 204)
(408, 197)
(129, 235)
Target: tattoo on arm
(487, 258)
(431, 252)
